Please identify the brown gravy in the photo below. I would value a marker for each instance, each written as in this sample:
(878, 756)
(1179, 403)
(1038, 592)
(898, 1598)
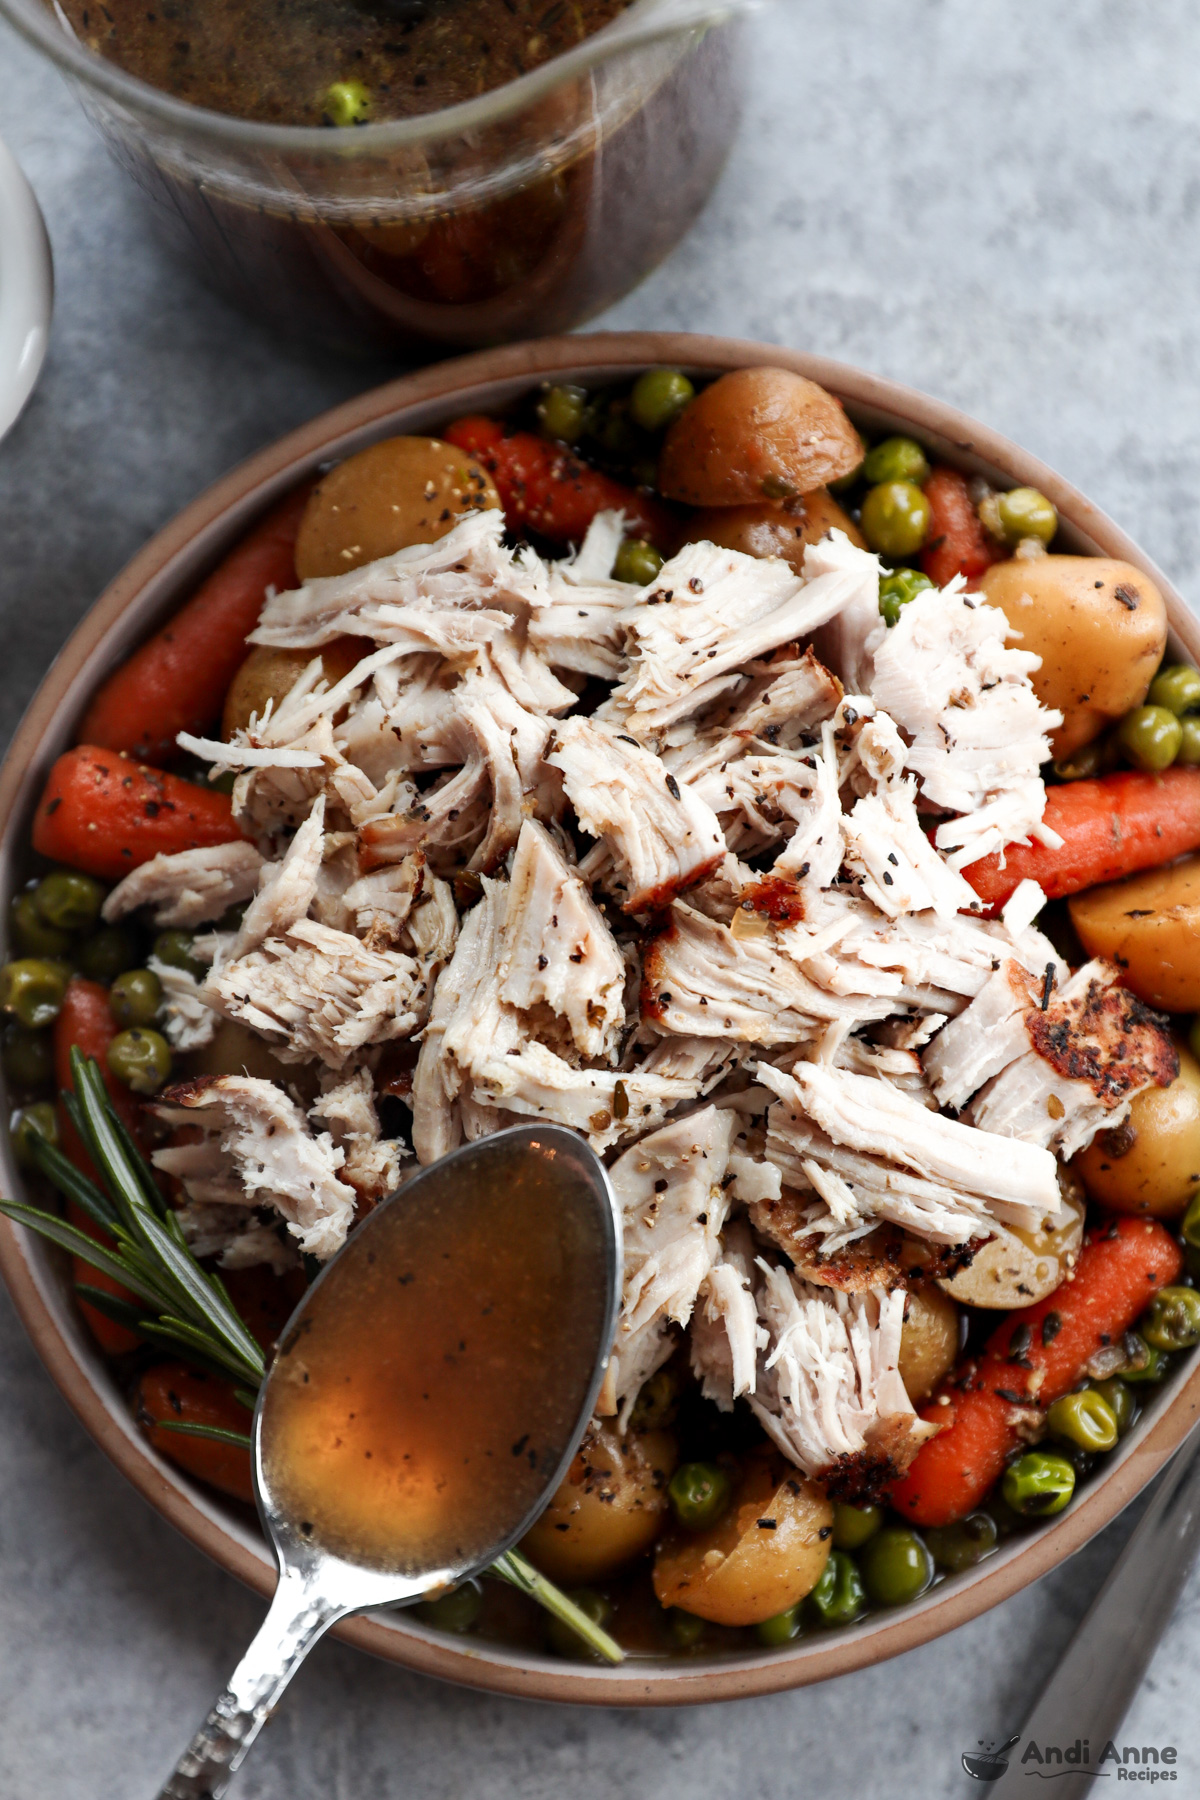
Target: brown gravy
(430, 1389)
(276, 60)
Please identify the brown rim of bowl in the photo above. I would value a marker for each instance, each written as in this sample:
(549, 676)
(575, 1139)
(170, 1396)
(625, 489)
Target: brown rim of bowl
(155, 580)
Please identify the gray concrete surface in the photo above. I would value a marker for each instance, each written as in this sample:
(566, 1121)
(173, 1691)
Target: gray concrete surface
(991, 199)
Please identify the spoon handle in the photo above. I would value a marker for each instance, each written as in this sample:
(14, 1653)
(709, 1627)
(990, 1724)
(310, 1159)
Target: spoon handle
(296, 1619)
(1102, 1669)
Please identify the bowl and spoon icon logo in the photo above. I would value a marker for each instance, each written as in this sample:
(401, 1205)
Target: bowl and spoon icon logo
(990, 1762)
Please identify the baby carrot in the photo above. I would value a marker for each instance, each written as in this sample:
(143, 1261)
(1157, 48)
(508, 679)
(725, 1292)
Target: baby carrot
(85, 1019)
(544, 486)
(178, 680)
(173, 1394)
(956, 543)
(106, 814)
(993, 1404)
(1110, 827)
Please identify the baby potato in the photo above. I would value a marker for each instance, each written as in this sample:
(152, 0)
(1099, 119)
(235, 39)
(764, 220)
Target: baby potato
(268, 674)
(1100, 628)
(1019, 1267)
(928, 1342)
(406, 490)
(609, 1509)
(765, 1554)
(757, 434)
(1149, 925)
(774, 528)
(1150, 1164)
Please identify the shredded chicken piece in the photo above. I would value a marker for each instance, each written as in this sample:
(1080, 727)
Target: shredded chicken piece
(711, 612)
(1084, 1057)
(317, 993)
(828, 1391)
(725, 1335)
(669, 1187)
(258, 1148)
(236, 1236)
(190, 888)
(978, 733)
(663, 837)
(188, 1022)
(381, 903)
(700, 979)
(558, 951)
(346, 1109)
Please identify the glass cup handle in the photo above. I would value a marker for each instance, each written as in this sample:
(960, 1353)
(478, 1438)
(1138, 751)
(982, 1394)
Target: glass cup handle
(297, 1618)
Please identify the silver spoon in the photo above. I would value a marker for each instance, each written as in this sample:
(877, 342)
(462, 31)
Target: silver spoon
(497, 1270)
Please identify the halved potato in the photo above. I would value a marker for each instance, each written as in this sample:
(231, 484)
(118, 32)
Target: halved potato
(406, 490)
(1100, 628)
(774, 528)
(757, 434)
(1021, 1267)
(764, 1555)
(1149, 925)
(610, 1508)
(1150, 1164)
(269, 673)
(928, 1342)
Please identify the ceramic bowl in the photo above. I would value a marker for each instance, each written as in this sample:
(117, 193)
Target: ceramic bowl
(147, 591)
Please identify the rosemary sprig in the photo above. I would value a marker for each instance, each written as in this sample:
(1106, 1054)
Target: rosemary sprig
(175, 1301)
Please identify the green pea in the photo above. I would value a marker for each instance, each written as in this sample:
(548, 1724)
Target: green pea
(897, 589)
(1191, 1218)
(699, 1493)
(853, 1525)
(561, 412)
(67, 900)
(1039, 1483)
(32, 989)
(1177, 687)
(39, 1120)
(895, 518)
(1121, 1402)
(685, 1628)
(28, 1057)
(1085, 1419)
(1150, 736)
(963, 1544)
(141, 1059)
(1024, 513)
(346, 103)
(637, 562)
(839, 1596)
(896, 459)
(135, 997)
(1188, 752)
(175, 949)
(843, 483)
(780, 1628)
(658, 398)
(456, 1611)
(107, 953)
(31, 934)
(1172, 1321)
(657, 1402)
(563, 1640)
(1147, 1363)
(896, 1566)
